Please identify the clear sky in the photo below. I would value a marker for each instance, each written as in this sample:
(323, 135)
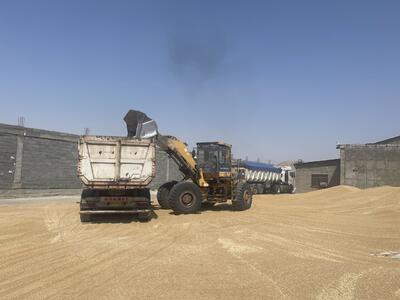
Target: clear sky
(276, 79)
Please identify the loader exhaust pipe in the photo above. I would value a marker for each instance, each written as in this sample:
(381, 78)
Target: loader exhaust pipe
(139, 125)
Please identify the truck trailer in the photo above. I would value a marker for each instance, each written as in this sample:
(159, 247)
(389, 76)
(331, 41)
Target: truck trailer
(267, 178)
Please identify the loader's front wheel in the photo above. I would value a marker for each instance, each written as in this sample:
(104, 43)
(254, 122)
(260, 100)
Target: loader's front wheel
(163, 194)
(243, 198)
(185, 198)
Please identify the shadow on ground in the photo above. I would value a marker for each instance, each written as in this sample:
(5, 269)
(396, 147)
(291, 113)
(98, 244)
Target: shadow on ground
(120, 218)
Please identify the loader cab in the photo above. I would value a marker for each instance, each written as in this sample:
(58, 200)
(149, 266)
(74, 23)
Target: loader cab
(214, 158)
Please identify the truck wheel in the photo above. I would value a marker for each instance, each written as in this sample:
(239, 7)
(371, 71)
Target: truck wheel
(185, 198)
(83, 205)
(277, 189)
(85, 218)
(163, 193)
(243, 198)
(144, 217)
(260, 189)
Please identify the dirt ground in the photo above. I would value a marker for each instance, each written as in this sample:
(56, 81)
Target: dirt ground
(318, 245)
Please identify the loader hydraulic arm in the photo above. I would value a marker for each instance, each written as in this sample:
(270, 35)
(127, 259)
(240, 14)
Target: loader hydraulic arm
(181, 155)
(139, 126)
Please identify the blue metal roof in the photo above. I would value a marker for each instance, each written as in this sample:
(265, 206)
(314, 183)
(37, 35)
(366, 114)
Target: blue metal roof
(257, 166)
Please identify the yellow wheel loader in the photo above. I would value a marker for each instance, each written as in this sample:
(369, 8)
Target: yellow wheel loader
(209, 177)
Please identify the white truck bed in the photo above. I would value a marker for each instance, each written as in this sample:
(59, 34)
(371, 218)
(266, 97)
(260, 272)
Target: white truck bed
(116, 162)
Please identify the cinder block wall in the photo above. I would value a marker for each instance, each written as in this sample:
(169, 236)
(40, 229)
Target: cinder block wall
(37, 159)
(8, 150)
(49, 163)
(40, 159)
(370, 165)
(166, 170)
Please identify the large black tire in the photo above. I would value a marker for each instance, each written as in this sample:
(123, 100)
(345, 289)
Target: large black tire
(163, 194)
(144, 217)
(243, 198)
(185, 198)
(86, 193)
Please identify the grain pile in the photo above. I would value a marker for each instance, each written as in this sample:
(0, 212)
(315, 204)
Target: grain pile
(339, 243)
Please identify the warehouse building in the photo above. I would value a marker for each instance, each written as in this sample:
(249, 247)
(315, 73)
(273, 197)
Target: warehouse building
(369, 165)
(359, 165)
(316, 175)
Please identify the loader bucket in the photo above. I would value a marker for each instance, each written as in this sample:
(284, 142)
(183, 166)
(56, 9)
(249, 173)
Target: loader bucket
(139, 125)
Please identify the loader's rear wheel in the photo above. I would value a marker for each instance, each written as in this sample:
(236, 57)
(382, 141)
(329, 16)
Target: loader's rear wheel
(185, 198)
(163, 193)
(243, 198)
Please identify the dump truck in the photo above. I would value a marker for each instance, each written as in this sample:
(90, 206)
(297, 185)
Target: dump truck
(116, 172)
(267, 178)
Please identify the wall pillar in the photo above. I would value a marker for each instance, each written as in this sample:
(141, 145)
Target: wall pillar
(17, 183)
(342, 166)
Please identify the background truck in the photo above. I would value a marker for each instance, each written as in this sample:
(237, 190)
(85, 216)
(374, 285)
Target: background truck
(116, 172)
(267, 178)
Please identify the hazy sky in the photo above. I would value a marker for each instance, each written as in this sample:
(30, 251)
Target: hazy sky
(276, 79)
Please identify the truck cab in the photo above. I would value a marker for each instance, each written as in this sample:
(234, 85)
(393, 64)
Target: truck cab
(288, 179)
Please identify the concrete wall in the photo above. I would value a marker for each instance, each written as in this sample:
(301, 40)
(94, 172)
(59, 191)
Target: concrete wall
(370, 165)
(304, 172)
(40, 159)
